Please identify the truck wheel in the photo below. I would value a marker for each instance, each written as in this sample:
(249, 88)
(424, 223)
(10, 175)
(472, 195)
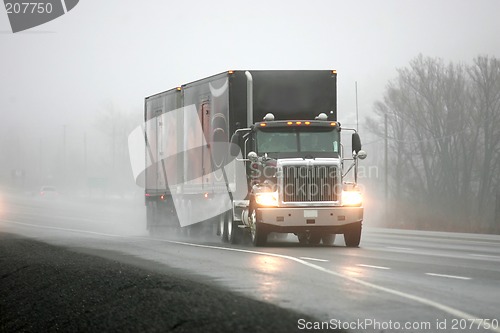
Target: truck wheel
(314, 238)
(352, 236)
(328, 239)
(233, 231)
(302, 238)
(223, 227)
(152, 218)
(257, 230)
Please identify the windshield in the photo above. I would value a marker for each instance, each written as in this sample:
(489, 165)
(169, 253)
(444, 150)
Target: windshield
(298, 140)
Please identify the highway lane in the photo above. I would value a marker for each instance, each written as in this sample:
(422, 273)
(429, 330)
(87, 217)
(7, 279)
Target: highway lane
(431, 281)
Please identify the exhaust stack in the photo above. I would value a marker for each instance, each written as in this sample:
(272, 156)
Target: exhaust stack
(249, 99)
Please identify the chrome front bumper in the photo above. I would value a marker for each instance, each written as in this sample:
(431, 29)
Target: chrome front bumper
(310, 217)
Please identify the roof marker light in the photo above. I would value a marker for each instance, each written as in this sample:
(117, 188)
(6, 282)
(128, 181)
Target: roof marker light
(263, 124)
(298, 122)
(321, 116)
(289, 123)
(269, 117)
(307, 123)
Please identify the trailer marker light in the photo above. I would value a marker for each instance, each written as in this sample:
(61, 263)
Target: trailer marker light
(206, 195)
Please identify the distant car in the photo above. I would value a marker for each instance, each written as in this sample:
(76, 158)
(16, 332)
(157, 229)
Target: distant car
(48, 192)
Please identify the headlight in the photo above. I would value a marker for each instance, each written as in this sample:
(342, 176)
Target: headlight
(352, 198)
(267, 198)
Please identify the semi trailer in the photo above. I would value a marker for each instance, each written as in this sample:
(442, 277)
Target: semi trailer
(252, 153)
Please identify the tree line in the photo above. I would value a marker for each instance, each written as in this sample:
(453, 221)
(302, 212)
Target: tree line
(443, 139)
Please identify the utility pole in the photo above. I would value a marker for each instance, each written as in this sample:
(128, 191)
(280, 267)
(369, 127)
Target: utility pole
(85, 155)
(40, 166)
(64, 157)
(357, 112)
(386, 167)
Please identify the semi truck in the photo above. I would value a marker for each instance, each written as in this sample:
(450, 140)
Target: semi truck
(253, 152)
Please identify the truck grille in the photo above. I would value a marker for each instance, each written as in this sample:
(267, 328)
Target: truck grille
(310, 183)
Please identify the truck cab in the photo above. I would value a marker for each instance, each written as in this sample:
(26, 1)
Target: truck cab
(295, 176)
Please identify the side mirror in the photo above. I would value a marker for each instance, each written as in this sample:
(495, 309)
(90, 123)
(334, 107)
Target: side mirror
(253, 157)
(234, 148)
(356, 143)
(361, 155)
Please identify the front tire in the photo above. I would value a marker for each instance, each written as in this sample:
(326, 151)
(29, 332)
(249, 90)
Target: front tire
(352, 236)
(257, 230)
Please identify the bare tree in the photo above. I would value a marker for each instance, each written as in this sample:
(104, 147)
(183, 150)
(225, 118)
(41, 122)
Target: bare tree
(443, 127)
(485, 74)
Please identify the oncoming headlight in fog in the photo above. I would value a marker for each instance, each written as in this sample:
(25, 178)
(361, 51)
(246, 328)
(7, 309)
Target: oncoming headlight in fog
(352, 198)
(267, 198)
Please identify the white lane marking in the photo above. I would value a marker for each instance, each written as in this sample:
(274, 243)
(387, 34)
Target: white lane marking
(372, 266)
(484, 256)
(399, 248)
(418, 299)
(314, 259)
(449, 276)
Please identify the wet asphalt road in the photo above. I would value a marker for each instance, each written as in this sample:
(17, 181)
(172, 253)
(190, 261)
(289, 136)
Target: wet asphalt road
(429, 281)
(46, 288)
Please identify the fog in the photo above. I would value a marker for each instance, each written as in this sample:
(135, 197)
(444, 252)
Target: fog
(73, 89)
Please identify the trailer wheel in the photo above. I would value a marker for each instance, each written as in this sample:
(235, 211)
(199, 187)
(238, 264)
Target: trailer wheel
(257, 230)
(152, 218)
(352, 236)
(223, 227)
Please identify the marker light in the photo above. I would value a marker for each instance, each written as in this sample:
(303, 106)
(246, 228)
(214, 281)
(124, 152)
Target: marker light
(307, 123)
(263, 124)
(298, 122)
(289, 123)
(333, 124)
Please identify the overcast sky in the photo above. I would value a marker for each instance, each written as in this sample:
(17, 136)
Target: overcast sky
(119, 51)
